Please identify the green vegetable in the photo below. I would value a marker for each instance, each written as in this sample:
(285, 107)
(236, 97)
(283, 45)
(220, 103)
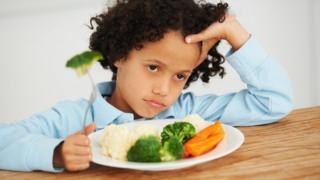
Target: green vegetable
(171, 150)
(81, 63)
(146, 149)
(183, 131)
(150, 149)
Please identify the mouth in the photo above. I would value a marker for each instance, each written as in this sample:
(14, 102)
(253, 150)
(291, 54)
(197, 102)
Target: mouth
(155, 104)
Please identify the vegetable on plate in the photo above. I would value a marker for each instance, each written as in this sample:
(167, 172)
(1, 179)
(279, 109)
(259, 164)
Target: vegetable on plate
(181, 130)
(204, 141)
(171, 150)
(149, 149)
(146, 149)
(176, 141)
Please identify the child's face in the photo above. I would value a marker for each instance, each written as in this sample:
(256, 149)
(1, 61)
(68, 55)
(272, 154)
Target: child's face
(151, 79)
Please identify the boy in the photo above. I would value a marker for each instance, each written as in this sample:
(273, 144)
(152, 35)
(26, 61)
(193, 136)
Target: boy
(146, 45)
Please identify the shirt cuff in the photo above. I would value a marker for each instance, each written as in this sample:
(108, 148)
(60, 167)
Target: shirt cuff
(41, 154)
(248, 58)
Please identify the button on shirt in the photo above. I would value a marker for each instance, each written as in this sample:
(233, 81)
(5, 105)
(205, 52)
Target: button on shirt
(29, 144)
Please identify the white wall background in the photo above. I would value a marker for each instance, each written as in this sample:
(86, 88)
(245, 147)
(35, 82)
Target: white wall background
(38, 36)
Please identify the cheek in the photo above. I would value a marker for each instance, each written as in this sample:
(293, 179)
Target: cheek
(139, 79)
(174, 93)
(129, 74)
(133, 80)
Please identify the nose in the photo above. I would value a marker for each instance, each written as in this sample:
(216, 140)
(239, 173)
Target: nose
(162, 87)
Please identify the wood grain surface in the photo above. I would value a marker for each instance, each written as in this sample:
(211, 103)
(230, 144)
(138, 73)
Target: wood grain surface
(289, 149)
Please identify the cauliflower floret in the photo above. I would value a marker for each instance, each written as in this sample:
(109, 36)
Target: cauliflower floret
(139, 131)
(113, 141)
(116, 140)
(196, 121)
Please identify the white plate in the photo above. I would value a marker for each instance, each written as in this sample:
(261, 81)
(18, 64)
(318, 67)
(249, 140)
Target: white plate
(233, 140)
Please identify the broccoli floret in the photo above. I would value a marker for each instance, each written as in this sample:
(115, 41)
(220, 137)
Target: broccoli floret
(181, 130)
(171, 150)
(81, 63)
(149, 148)
(146, 149)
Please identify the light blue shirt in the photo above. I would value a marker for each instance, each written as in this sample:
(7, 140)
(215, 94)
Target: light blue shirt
(29, 144)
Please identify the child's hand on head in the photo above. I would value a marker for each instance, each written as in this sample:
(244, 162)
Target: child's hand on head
(228, 29)
(74, 154)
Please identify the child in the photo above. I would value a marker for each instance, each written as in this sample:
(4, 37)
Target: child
(155, 49)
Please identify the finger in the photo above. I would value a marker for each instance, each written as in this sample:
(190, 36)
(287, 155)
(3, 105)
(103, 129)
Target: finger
(72, 150)
(204, 52)
(90, 128)
(81, 151)
(208, 33)
(82, 140)
(77, 159)
(202, 56)
(77, 167)
(206, 46)
(78, 139)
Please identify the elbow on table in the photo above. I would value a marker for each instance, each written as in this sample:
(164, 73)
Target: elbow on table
(281, 108)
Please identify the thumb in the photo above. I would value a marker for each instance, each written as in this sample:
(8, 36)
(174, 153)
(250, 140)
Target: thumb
(90, 128)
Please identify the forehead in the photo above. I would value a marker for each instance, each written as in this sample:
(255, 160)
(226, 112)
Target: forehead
(171, 50)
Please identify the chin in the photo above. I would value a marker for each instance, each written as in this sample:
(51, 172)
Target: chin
(148, 114)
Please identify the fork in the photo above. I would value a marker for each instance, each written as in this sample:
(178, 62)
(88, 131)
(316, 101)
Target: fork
(93, 97)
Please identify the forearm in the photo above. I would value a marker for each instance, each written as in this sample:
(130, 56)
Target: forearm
(29, 144)
(235, 33)
(21, 151)
(267, 99)
(268, 96)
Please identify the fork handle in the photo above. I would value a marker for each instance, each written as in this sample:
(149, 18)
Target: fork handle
(91, 100)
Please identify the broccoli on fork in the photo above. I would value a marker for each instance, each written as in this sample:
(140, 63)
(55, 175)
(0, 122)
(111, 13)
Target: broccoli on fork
(81, 63)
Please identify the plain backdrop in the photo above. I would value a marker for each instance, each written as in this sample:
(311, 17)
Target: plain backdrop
(38, 36)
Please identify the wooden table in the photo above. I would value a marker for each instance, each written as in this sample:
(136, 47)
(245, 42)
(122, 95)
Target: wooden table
(284, 150)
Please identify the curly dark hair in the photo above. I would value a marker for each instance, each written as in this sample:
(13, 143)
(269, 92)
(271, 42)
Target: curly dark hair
(131, 23)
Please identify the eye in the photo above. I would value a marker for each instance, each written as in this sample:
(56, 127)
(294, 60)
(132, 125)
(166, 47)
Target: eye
(153, 68)
(180, 77)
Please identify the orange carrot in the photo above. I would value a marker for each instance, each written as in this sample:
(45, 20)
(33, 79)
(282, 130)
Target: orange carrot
(206, 132)
(199, 148)
(204, 141)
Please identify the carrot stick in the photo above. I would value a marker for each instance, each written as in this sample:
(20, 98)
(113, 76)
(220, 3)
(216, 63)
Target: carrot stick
(199, 148)
(204, 141)
(206, 132)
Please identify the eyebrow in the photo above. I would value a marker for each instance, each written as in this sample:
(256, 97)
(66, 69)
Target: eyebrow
(163, 64)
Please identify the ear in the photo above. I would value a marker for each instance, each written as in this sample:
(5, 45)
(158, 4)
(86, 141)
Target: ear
(118, 63)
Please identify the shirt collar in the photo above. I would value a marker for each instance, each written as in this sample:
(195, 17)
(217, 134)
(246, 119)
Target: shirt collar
(104, 113)
(167, 114)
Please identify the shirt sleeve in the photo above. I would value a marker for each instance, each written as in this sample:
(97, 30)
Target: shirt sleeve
(29, 144)
(266, 99)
